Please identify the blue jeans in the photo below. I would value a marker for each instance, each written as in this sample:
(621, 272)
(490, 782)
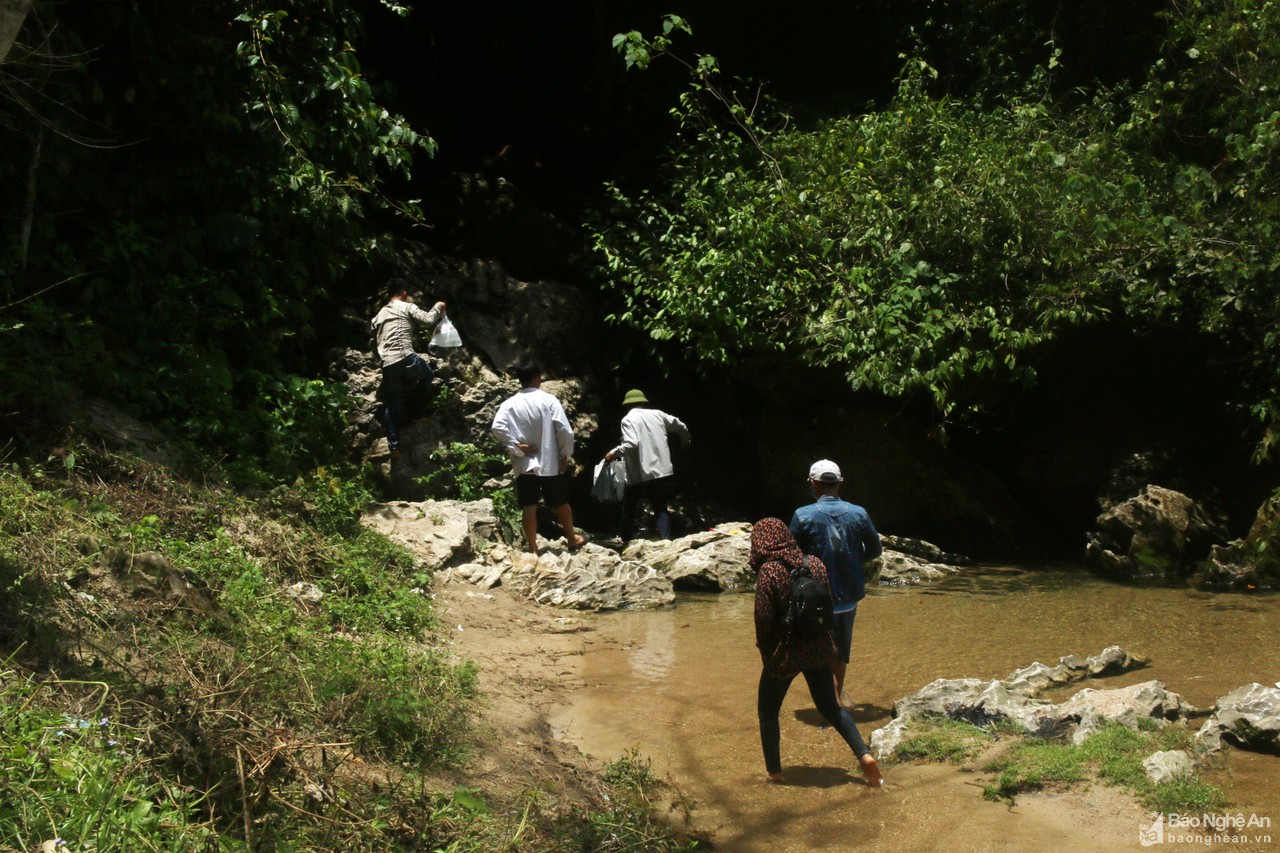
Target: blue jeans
(842, 633)
(822, 688)
(405, 383)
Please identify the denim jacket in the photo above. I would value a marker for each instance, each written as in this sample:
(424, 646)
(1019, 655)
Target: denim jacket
(842, 536)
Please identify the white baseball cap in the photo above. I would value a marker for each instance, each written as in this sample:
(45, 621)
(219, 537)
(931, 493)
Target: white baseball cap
(825, 471)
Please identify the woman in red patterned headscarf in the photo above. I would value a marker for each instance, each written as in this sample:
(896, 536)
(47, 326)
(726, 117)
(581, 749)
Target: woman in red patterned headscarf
(774, 554)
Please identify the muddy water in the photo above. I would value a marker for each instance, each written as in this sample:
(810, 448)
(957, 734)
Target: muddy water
(679, 685)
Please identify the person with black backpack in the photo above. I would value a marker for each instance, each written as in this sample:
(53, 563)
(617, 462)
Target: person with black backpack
(793, 632)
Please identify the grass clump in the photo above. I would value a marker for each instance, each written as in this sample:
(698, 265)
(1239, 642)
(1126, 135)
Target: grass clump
(1114, 755)
(945, 740)
(621, 813)
(626, 816)
(85, 784)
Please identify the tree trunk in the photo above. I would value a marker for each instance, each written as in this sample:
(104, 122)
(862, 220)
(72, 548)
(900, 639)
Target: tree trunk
(12, 14)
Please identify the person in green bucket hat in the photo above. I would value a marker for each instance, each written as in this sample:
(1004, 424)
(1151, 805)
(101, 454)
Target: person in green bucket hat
(646, 448)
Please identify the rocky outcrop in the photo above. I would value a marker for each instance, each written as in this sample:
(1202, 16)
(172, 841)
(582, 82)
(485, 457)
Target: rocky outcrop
(1158, 533)
(502, 320)
(459, 539)
(711, 561)
(1090, 709)
(592, 578)
(1015, 700)
(907, 561)
(892, 568)
(1247, 717)
(1035, 679)
(463, 537)
(1251, 563)
(439, 533)
(921, 550)
(467, 395)
(117, 574)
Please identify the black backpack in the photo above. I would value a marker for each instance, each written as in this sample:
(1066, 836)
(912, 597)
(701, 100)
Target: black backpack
(809, 609)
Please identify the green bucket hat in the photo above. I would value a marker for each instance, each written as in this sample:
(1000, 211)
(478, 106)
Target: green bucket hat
(635, 395)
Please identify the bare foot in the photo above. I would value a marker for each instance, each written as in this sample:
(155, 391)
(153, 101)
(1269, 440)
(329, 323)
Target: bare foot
(871, 771)
(774, 779)
(578, 542)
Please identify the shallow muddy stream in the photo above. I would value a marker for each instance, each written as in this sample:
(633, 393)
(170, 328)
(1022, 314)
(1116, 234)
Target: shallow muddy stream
(679, 686)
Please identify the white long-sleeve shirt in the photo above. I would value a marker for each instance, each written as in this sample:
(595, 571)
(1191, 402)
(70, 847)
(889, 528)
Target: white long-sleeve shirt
(393, 328)
(645, 443)
(536, 418)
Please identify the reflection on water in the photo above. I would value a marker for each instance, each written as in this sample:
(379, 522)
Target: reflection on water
(680, 683)
(651, 657)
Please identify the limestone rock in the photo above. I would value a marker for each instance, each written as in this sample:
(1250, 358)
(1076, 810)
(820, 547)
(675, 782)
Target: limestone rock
(122, 431)
(596, 578)
(1158, 533)
(1035, 679)
(1168, 766)
(304, 591)
(437, 532)
(1249, 563)
(502, 320)
(921, 550)
(711, 561)
(1247, 717)
(892, 568)
(1014, 699)
(1125, 705)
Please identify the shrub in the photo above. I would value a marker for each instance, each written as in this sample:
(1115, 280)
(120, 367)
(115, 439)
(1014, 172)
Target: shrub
(85, 784)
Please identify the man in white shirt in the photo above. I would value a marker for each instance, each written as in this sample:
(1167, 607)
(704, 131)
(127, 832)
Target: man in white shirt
(406, 376)
(646, 435)
(535, 431)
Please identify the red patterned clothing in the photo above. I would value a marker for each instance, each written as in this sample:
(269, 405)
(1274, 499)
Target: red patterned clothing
(773, 551)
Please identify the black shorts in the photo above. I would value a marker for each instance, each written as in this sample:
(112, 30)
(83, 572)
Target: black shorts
(553, 490)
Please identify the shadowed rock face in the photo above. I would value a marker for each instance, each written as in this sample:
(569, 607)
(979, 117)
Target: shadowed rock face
(1248, 564)
(1158, 533)
(1248, 717)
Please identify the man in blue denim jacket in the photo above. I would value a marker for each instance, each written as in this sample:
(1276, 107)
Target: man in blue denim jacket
(842, 536)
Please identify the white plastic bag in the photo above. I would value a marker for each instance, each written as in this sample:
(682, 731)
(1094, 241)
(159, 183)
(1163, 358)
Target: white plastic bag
(610, 481)
(446, 335)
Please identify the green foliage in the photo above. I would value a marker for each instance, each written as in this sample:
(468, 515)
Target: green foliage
(1031, 766)
(941, 245)
(305, 422)
(333, 500)
(465, 468)
(223, 160)
(85, 784)
(461, 471)
(36, 529)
